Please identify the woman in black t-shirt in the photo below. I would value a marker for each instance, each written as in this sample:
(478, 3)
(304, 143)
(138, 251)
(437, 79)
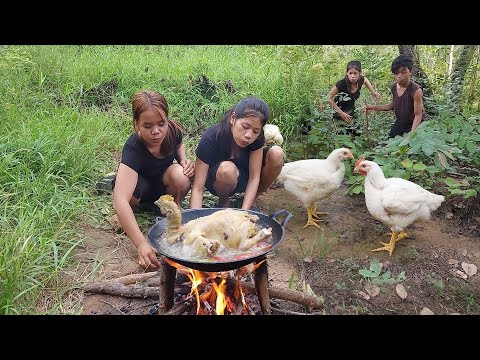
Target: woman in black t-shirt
(147, 170)
(231, 157)
(346, 91)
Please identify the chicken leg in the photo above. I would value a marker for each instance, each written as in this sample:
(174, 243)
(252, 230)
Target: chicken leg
(311, 220)
(393, 240)
(316, 213)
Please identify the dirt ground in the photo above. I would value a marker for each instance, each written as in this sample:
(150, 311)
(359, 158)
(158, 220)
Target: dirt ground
(328, 262)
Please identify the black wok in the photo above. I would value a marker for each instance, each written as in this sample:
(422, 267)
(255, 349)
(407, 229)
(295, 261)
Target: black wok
(220, 263)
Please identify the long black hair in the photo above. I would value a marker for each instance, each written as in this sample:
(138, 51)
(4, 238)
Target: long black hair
(247, 107)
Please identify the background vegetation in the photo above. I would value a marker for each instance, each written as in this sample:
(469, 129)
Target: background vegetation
(65, 115)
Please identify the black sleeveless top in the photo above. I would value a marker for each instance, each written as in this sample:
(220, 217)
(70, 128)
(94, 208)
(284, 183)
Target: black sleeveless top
(347, 105)
(403, 105)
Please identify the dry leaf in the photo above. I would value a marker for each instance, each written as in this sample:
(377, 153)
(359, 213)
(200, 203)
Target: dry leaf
(426, 311)
(461, 274)
(362, 294)
(470, 269)
(308, 259)
(448, 215)
(453, 261)
(372, 289)
(464, 252)
(400, 289)
(442, 159)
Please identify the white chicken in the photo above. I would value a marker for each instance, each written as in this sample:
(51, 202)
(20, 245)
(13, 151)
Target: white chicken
(272, 135)
(313, 180)
(394, 201)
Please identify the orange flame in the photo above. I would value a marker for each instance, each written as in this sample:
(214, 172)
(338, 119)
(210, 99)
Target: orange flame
(213, 292)
(221, 302)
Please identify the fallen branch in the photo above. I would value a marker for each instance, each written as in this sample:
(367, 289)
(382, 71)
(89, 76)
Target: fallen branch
(295, 296)
(134, 278)
(115, 287)
(119, 289)
(180, 308)
(288, 312)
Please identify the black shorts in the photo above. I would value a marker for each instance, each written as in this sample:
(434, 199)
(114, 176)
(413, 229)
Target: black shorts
(145, 191)
(399, 129)
(242, 178)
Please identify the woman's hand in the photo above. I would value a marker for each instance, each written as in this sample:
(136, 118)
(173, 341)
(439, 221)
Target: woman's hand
(369, 108)
(147, 256)
(376, 96)
(188, 167)
(347, 118)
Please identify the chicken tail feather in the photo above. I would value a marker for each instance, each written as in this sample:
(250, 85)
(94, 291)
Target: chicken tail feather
(436, 201)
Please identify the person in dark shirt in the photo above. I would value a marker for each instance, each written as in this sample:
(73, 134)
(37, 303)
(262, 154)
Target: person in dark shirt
(147, 170)
(407, 98)
(232, 158)
(346, 91)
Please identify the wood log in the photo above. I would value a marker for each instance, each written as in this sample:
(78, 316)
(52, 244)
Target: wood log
(134, 278)
(119, 289)
(180, 308)
(116, 288)
(294, 296)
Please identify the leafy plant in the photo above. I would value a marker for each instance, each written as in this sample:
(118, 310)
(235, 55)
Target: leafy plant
(373, 274)
(454, 187)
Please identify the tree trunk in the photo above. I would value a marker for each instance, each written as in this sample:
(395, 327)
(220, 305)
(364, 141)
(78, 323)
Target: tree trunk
(450, 60)
(458, 76)
(419, 76)
(473, 86)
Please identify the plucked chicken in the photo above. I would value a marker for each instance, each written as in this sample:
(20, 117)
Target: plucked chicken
(233, 229)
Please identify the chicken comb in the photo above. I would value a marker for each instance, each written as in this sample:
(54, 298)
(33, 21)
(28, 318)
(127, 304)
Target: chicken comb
(359, 161)
(166, 198)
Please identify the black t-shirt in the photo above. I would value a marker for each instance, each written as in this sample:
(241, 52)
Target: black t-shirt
(208, 151)
(137, 157)
(348, 105)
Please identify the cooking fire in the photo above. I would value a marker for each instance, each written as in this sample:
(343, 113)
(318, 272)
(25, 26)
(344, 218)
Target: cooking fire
(217, 293)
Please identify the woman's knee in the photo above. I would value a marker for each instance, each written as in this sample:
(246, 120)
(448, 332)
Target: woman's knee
(227, 172)
(275, 156)
(175, 178)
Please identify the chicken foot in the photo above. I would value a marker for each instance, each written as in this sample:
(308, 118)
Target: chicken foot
(393, 240)
(311, 221)
(401, 235)
(316, 213)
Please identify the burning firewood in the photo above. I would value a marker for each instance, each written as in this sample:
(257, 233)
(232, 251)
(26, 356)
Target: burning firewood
(114, 287)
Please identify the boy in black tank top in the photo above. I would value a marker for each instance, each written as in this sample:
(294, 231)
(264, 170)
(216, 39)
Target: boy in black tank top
(407, 98)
